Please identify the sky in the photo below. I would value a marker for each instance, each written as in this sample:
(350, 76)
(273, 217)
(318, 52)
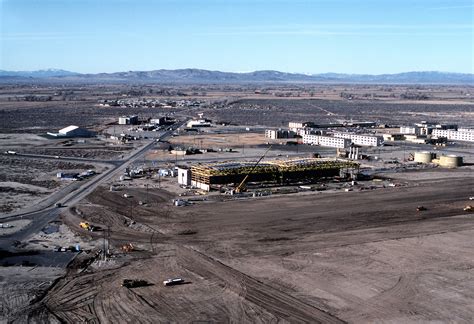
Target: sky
(318, 36)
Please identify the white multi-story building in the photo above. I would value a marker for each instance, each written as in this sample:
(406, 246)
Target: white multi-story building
(454, 135)
(363, 140)
(294, 126)
(326, 141)
(470, 130)
(280, 133)
(409, 130)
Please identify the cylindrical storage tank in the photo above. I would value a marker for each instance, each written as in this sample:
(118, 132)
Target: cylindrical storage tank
(450, 161)
(423, 157)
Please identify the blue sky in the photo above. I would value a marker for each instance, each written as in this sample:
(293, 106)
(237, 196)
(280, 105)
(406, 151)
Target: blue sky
(347, 36)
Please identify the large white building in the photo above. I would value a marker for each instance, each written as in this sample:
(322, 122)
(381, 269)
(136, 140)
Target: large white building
(454, 135)
(362, 140)
(326, 141)
(72, 131)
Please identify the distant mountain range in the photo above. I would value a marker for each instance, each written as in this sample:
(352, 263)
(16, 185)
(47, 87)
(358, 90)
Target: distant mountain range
(37, 74)
(206, 76)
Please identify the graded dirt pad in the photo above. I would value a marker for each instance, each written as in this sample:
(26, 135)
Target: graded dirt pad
(353, 256)
(220, 140)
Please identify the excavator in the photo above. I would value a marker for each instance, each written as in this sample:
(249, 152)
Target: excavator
(241, 187)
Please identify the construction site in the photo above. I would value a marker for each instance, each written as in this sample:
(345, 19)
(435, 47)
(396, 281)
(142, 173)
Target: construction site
(309, 170)
(177, 215)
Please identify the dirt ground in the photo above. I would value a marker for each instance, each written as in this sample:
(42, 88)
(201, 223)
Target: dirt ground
(288, 258)
(219, 140)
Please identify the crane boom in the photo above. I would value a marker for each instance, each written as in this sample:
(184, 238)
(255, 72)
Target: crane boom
(240, 187)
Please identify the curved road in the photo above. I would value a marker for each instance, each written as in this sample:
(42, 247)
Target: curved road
(71, 195)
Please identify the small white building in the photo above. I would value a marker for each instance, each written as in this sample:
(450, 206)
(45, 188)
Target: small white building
(328, 141)
(184, 176)
(128, 120)
(158, 121)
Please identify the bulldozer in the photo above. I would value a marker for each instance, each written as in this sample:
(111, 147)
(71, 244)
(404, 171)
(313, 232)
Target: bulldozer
(134, 283)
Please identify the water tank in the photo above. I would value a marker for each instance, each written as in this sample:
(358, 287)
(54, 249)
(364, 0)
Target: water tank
(423, 157)
(450, 161)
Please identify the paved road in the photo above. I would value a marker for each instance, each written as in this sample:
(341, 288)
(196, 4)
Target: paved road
(47, 213)
(65, 158)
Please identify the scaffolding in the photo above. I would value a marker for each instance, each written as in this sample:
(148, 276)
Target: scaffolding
(281, 172)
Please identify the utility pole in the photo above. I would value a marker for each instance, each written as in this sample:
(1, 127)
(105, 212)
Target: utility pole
(146, 201)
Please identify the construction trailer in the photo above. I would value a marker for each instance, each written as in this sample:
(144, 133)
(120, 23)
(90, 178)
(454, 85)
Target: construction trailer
(216, 175)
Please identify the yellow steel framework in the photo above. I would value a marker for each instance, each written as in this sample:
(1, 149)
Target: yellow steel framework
(205, 173)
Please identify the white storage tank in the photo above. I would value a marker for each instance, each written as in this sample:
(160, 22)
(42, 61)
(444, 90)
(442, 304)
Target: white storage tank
(424, 157)
(450, 161)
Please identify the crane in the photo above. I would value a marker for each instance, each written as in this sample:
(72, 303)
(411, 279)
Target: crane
(241, 186)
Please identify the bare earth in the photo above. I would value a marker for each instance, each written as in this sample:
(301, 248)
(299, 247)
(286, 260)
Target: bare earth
(354, 256)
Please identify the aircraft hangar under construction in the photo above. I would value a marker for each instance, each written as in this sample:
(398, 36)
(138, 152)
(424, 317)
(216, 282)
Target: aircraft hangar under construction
(215, 175)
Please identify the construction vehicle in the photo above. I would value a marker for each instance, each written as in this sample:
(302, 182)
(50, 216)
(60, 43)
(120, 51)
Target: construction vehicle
(134, 283)
(127, 247)
(468, 208)
(172, 282)
(87, 226)
(241, 187)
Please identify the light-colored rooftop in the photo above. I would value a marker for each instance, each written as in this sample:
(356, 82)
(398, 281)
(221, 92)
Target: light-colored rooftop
(68, 129)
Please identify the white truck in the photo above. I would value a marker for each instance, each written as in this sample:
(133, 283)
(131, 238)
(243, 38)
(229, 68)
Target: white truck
(173, 281)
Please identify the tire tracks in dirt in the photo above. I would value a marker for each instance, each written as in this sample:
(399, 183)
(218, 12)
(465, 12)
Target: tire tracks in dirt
(276, 302)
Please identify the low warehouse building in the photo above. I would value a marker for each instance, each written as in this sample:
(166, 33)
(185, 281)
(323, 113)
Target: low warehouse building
(72, 131)
(208, 176)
